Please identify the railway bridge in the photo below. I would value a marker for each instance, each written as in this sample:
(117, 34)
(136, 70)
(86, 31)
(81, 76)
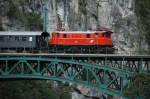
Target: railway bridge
(109, 73)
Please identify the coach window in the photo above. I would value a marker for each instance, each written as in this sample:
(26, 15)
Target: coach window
(9, 38)
(30, 39)
(24, 38)
(88, 35)
(16, 38)
(1, 38)
(65, 35)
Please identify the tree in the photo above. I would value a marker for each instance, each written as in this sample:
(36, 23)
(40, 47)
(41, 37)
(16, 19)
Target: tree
(140, 87)
(28, 89)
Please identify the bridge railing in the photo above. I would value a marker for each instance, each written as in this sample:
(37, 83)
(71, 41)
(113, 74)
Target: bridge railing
(146, 52)
(48, 50)
(131, 53)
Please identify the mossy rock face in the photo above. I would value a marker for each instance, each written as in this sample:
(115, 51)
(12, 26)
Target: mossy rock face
(21, 11)
(30, 19)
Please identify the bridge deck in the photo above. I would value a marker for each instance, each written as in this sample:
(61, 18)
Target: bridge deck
(76, 55)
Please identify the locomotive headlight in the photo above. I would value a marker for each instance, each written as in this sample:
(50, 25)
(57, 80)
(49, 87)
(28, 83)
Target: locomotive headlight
(91, 41)
(76, 41)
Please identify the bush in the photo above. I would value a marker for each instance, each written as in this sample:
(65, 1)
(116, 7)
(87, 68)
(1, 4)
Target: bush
(30, 89)
(139, 87)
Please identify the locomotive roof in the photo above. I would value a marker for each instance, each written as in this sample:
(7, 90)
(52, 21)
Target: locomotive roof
(20, 33)
(39, 32)
(78, 32)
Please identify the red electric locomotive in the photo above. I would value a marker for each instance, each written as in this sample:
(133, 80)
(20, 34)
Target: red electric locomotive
(81, 42)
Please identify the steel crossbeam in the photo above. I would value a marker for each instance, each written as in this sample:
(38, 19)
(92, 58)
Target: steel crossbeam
(110, 74)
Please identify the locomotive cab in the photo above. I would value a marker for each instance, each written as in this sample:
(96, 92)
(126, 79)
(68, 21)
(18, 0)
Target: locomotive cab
(81, 41)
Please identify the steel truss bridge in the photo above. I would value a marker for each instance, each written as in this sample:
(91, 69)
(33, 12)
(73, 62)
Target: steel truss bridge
(108, 73)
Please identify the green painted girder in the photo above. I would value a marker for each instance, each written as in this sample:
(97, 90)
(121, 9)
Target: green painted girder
(56, 69)
(24, 59)
(106, 75)
(135, 63)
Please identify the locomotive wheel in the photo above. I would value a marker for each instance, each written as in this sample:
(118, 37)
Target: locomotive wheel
(105, 50)
(56, 49)
(100, 50)
(83, 50)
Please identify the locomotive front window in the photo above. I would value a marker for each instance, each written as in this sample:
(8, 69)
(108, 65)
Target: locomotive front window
(106, 35)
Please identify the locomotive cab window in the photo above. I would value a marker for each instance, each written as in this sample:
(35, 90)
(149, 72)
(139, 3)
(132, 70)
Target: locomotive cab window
(88, 35)
(96, 35)
(65, 35)
(107, 34)
(24, 38)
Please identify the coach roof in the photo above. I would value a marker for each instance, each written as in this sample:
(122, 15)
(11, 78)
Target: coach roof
(20, 33)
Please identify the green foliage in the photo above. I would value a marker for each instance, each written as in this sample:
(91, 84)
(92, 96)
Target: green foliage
(65, 95)
(143, 12)
(29, 90)
(140, 87)
(34, 20)
(64, 90)
(31, 19)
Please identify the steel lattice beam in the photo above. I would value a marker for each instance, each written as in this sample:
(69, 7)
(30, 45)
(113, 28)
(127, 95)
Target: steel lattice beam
(108, 74)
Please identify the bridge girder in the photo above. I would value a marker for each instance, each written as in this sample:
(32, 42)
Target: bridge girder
(110, 75)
